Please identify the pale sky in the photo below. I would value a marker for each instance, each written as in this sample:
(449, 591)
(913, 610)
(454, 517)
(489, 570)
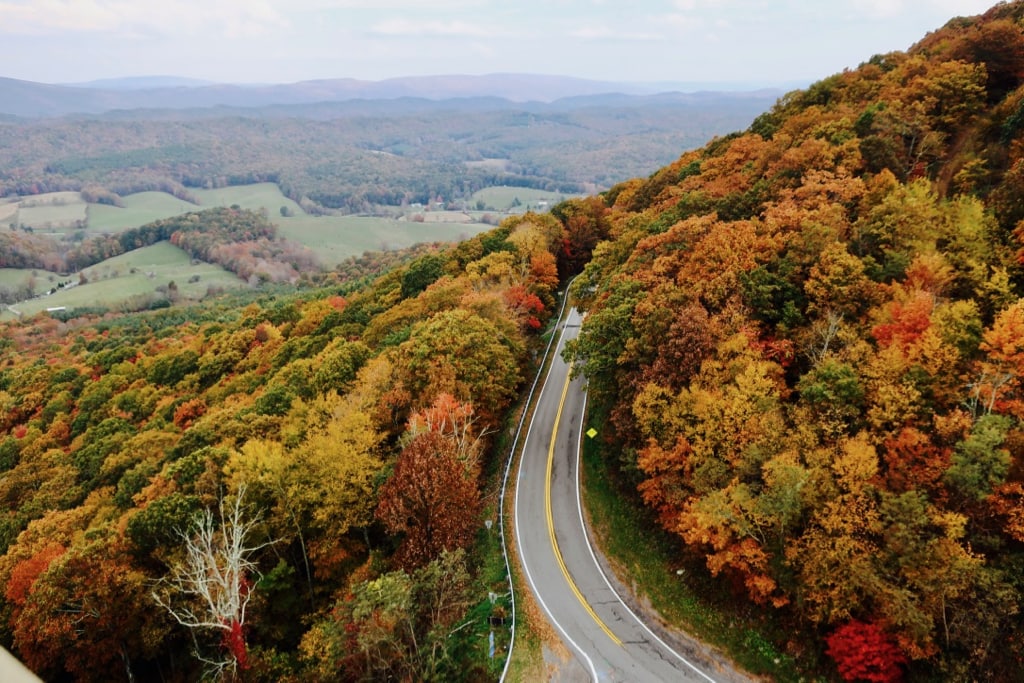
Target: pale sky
(282, 41)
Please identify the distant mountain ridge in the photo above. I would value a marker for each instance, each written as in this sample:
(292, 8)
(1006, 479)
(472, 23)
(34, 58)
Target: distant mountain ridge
(750, 102)
(142, 83)
(40, 100)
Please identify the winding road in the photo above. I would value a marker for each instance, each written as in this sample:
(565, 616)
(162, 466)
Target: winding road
(607, 640)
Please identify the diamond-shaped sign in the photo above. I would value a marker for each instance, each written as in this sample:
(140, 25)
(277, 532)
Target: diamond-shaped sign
(591, 432)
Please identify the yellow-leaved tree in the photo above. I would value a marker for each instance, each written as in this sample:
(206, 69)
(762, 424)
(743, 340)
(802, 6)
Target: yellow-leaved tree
(323, 489)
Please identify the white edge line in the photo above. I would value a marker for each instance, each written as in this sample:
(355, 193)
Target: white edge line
(504, 487)
(522, 553)
(586, 536)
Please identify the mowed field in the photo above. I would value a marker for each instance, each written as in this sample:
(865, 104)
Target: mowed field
(41, 280)
(53, 212)
(138, 209)
(113, 282)
(335, 238)
(266, 196)
(502, 198)
(146, 207)
(8, 212)
(137, 273)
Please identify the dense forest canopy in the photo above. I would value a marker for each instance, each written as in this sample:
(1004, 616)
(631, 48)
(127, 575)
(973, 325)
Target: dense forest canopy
(805, 342)
(807, 339)
(324, 449)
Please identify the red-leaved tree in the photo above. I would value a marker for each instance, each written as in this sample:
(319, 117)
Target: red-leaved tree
(864, 652)
(432, 498)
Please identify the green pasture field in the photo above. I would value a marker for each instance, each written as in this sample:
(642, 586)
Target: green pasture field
(501, 198)
(139, 208)
(51, 212)
(253, 197)
(442, 216)
(43, 279)
(8, 211)
(50, 199)
(112, 282)
(335, 238)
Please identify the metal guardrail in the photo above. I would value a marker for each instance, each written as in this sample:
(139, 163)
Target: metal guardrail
(508, 468)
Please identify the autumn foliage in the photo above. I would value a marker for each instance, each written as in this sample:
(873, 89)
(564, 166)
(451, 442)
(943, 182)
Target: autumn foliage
(25, 573)
(432, 499)
(804, 344)
(356, 424)
(863, 652)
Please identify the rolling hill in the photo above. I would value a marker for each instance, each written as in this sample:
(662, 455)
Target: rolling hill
(357, 155)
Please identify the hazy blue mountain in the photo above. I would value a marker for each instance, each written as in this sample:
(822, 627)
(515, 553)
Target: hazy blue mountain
(142, 83)
(40, 100)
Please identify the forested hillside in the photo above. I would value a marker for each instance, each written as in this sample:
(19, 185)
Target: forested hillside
(284, 486)
(804, 343)
(356, 156)
(807, 343)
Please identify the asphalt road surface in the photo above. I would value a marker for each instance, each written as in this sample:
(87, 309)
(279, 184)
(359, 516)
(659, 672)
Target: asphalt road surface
(607, 640)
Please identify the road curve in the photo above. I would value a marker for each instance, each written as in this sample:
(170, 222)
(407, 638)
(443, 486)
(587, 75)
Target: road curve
(606, 638)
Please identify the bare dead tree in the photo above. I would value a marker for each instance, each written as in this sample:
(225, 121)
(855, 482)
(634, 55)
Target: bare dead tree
(825, 331)
(210, 588)
(984, 391)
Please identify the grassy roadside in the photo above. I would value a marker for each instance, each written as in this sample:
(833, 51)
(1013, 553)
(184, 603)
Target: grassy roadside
(681, 590)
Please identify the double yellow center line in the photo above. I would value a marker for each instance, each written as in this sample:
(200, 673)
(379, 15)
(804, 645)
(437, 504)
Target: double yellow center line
(551, 522)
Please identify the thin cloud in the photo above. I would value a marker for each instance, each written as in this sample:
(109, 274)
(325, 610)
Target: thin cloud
(879, 9)
(230, 18)
(887, 9)
(432, 28)
(608, 33)
(401, 5)
(682, 22)
(289, 40)
(45, 16)
(690, 5)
